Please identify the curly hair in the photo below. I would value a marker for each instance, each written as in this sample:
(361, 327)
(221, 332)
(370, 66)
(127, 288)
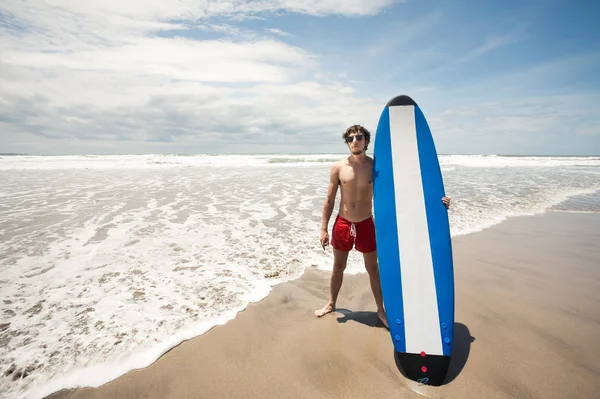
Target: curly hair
(358, 129)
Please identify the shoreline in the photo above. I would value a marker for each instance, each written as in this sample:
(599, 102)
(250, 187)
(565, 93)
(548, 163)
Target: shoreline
(295, 299)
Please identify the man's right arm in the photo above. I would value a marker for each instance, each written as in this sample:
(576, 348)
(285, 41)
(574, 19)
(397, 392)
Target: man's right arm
(330, 198)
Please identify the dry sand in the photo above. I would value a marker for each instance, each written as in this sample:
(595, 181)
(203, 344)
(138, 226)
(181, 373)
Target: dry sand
(527, 326)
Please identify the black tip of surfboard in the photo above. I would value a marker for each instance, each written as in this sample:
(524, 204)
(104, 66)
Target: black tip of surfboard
(401, 100)
(428, 369)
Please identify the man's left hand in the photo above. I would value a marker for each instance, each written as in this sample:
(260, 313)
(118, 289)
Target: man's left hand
(446, 201)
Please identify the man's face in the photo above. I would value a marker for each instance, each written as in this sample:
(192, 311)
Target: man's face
(356, 143)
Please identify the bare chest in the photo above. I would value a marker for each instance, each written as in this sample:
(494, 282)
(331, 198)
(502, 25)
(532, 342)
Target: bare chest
(360, 177)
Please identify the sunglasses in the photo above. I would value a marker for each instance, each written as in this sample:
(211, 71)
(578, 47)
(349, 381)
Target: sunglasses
(350, 139)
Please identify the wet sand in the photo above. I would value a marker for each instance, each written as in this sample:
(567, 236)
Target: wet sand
(527, 326)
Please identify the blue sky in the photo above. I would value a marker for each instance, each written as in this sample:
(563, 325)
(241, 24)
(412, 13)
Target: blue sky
(111, 77)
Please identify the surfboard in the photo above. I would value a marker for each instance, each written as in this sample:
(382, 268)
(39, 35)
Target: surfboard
(414, 246)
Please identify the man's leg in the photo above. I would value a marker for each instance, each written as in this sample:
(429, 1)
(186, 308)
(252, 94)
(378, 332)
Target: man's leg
(340, 259)
(373, 270)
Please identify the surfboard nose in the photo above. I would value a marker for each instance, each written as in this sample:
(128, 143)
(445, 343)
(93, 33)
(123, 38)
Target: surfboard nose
(401, 100)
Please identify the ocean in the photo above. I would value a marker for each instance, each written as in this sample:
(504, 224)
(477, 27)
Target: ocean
(107, 262)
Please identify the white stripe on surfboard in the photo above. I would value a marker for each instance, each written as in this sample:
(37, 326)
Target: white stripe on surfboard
(421, 319)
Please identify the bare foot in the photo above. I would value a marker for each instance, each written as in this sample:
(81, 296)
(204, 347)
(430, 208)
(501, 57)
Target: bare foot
(324, 310)
(382, 318)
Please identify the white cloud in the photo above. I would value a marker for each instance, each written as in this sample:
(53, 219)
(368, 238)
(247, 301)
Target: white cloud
(326, 7)
(399, 34)
(98, 77)
(278, 32)
(562, 123)
(130, 13)
(178, 58)
(491, 43)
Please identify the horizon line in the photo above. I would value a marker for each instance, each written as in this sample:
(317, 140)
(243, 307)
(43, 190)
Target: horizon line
(16, 154)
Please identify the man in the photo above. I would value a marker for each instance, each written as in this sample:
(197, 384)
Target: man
(353, 226)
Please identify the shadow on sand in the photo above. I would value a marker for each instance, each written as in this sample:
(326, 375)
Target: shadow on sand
(364, 317)
(462, 341)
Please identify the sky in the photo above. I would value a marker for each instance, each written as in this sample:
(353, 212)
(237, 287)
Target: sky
(289, 76)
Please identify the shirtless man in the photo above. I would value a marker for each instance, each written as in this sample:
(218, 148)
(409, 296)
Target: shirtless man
(354, 224)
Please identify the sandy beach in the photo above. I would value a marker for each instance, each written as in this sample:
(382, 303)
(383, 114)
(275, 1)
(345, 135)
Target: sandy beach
(527, 326)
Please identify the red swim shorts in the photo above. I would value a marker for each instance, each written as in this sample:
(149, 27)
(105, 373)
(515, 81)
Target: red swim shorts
(346, 234)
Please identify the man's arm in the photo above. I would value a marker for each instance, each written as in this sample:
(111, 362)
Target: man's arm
(334, 181)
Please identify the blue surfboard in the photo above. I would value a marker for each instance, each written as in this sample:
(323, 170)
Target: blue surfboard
(414, 246)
